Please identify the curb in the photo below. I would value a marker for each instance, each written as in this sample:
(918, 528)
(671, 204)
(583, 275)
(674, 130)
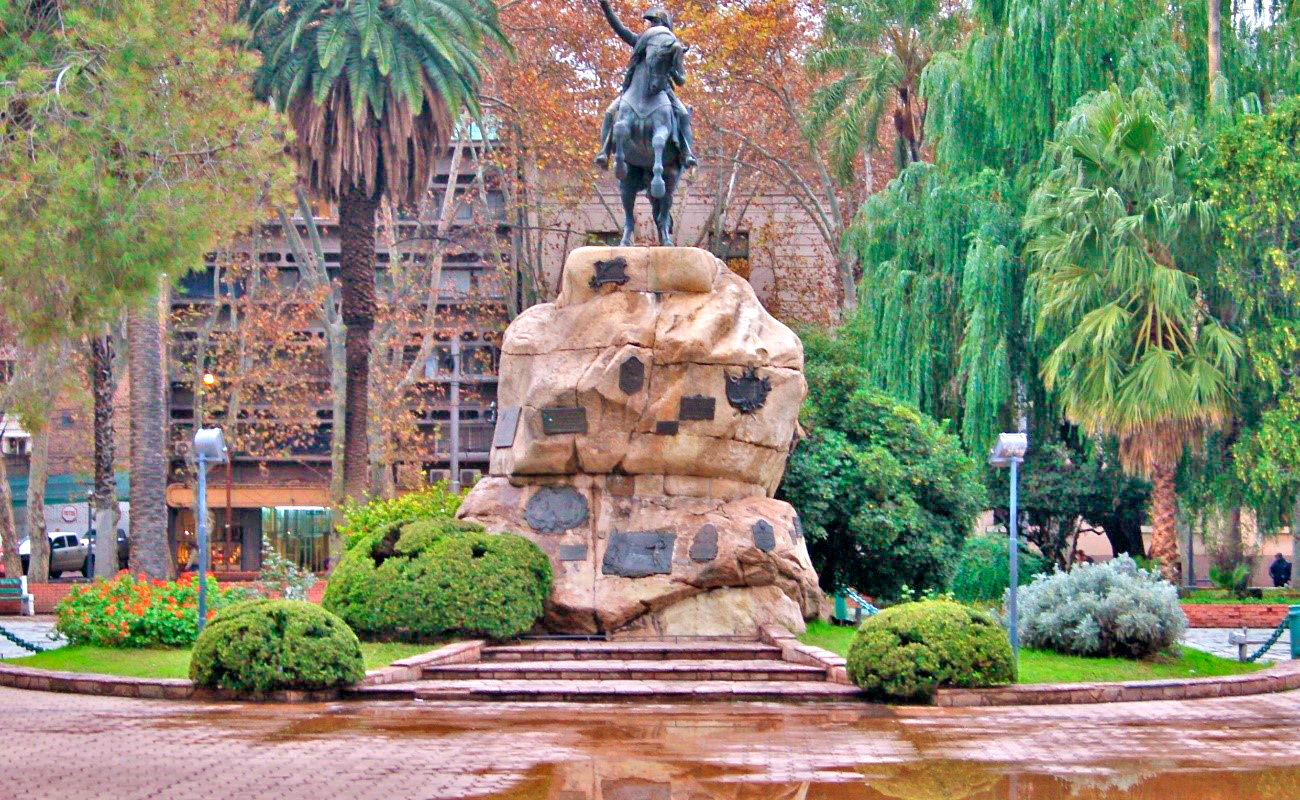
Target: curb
(45, 680)
(796, 652)
(1284, 677)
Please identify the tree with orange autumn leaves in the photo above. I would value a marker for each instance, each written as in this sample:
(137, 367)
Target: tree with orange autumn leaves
(747, 88)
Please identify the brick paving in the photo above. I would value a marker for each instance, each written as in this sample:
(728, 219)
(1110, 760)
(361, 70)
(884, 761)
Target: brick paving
(75, 747)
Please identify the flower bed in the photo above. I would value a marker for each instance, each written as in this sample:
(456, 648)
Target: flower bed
(133, 611)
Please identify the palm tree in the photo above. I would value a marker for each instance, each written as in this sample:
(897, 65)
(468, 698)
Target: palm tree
(1132, 350)
(877, 49)
(150, 552)
(373, 89)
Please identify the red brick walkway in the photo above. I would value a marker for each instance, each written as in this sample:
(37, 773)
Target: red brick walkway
(68, 746)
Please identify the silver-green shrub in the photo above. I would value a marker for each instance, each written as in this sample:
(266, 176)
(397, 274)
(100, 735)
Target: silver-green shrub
(1111, 609)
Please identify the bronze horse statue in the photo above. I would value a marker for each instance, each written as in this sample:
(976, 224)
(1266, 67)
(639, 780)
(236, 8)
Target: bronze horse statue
(647, 157)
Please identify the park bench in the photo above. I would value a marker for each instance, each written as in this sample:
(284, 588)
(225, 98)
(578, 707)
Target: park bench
(14, 598)
(844, 615)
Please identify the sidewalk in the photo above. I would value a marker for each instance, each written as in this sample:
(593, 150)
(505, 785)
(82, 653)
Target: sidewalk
(36, 630)
(1215, 641)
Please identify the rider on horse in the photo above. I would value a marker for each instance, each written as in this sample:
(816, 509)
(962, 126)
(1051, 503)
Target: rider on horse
(659, 20)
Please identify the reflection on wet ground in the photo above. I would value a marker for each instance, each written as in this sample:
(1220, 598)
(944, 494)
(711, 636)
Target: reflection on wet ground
(106, 747)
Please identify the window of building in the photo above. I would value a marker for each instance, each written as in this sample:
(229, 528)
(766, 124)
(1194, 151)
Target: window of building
(604, 238)
(299, 533)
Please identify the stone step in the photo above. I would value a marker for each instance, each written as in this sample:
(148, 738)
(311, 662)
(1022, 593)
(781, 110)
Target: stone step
(712, 650)
(712, 669)
(565, 691)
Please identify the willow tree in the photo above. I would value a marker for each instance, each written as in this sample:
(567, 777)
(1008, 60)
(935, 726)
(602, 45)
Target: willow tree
(1115, 229)
(374, 89)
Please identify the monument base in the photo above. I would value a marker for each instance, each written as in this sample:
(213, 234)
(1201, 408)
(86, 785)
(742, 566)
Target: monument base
(644, 421)
(656, 563)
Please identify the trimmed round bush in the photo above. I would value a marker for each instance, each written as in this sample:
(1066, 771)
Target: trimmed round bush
(439, 577)
(270, 645)
(908, 651)
(983, 569)
(1110, 609)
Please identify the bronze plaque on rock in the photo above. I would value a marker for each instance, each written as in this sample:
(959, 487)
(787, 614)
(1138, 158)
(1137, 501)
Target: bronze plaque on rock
(612, 271)
(564, 420)
(631, 375)
(698, 407)
(666, 427)
(638, 555)
(507, 423)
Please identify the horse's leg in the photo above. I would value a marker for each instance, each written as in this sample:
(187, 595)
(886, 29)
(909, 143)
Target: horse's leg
(622, 133)
(664, 209)
(631, 184)
(657, 186)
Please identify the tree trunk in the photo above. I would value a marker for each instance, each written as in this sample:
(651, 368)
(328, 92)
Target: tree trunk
(1164, 512)
(38, 564)
(357, 260)
(1295, 536)
(150, 551)
(8, 530)
(105, 511)
(1213, 46)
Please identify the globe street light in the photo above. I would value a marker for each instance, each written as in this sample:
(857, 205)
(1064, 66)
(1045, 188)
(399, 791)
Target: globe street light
(209, 448)
(1010, 452)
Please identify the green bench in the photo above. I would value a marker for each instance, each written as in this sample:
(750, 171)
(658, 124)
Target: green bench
(14, 598)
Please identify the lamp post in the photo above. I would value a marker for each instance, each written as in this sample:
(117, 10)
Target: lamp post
(1010, 452)
(209, 448)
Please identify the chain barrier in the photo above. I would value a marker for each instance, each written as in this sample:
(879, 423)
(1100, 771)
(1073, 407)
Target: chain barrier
(21, 642)
(1272, 640)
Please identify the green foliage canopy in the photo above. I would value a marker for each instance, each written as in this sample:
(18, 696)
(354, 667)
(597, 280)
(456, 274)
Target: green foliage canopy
(129, 147)
(886, 496)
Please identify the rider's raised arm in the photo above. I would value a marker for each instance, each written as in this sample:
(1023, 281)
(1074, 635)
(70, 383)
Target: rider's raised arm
(622, 30)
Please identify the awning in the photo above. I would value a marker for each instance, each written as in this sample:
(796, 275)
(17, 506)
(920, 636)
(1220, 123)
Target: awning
(182, 496)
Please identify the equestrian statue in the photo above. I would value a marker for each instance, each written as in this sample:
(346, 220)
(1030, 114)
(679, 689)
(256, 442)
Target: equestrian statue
(647, 130)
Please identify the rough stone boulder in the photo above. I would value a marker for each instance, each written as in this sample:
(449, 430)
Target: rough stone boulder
(644, 421)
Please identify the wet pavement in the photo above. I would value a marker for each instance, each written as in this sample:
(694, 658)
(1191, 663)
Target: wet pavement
(71, 746)
(1215, 640)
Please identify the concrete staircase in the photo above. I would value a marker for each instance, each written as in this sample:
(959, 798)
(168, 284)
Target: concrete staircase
(695, 670)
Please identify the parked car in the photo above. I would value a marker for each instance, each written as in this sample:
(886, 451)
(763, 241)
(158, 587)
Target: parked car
(69, 552)
(122, 551)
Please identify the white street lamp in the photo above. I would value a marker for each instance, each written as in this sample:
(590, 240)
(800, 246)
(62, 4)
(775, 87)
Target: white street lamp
(209, 448)
(1010, 452)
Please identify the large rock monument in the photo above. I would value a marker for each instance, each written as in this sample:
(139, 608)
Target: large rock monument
(644, 420)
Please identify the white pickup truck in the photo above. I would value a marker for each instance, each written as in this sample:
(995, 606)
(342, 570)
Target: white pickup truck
(69, 552)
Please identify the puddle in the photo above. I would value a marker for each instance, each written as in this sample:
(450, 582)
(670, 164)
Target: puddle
(1237, 749)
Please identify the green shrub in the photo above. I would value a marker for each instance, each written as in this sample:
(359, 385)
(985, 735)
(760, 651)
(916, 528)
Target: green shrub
(130, 611)
(1111, 609)
(269, 645)
(439, 577)
(361, 520)
(886, 495)
(983, 569)
(907, 651)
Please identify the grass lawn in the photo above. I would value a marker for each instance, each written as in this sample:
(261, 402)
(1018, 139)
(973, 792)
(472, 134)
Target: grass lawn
(174, 663)
(1040, 666)
(1220, 596)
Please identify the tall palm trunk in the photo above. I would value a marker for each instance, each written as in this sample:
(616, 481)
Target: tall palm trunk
(1164, 512)
(102, 383)
(38, 563)
(357, 261)
(150, 552)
